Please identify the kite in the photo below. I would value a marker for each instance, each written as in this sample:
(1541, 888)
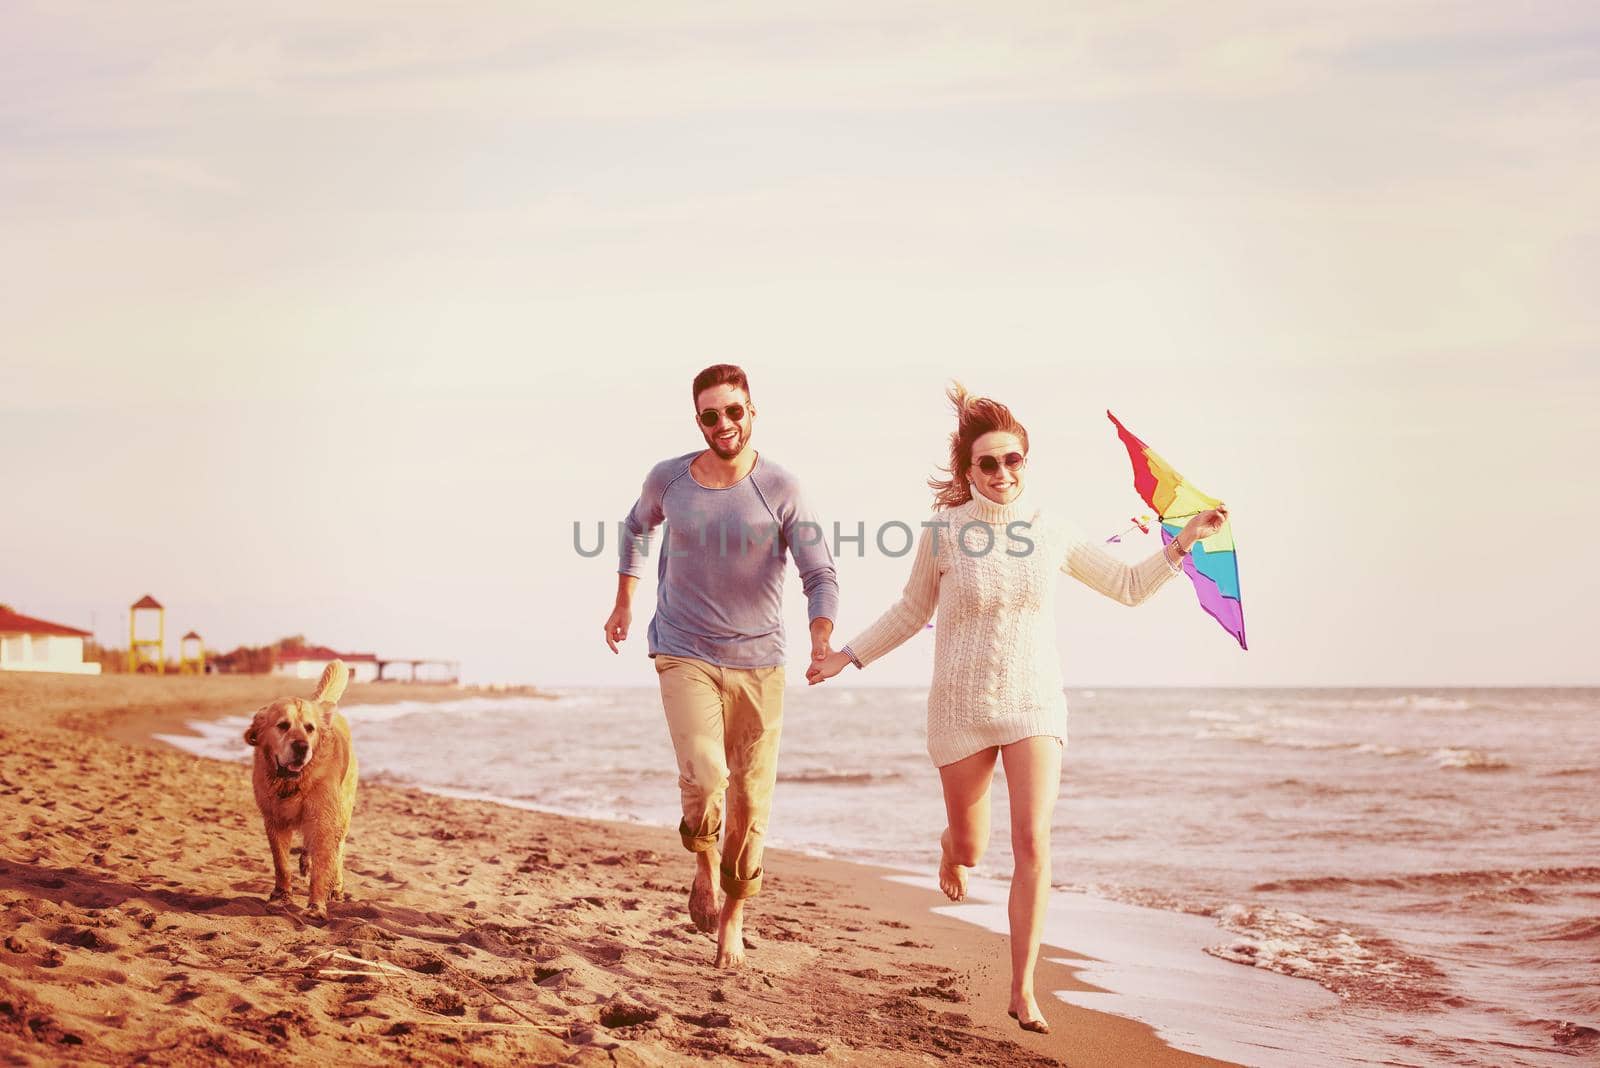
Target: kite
(1211, 564)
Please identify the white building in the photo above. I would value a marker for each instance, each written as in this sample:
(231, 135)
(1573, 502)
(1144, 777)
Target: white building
(28, 644)
(308, 663)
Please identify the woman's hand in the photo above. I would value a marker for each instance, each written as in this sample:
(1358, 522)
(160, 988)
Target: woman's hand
(826, 668)
(1204, 524)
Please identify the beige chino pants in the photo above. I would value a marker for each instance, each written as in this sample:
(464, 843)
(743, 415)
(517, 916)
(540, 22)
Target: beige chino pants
(725, 724)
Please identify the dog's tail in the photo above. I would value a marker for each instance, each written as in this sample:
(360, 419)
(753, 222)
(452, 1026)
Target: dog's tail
(335, 677)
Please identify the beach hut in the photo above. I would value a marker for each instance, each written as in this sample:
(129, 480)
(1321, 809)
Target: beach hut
(139, 649)
(192, 655)
(28, 644)
(307, 662)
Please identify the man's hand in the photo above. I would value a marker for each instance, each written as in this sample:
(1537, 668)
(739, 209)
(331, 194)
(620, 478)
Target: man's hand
(617, 625)
(821, 632)
(826, 668)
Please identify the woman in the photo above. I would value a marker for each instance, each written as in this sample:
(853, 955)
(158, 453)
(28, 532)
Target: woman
(988, 562)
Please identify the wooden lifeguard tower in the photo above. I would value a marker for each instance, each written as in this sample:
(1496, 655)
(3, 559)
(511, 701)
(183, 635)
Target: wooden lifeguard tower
(192, 655)
(139, 656)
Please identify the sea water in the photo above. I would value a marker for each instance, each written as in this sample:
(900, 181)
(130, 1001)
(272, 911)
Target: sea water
(1388, 877)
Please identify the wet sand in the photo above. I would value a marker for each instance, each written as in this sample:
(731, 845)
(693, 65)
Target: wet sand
(136, 929)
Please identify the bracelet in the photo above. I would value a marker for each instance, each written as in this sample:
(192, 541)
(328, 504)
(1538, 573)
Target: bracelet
(1182, 552)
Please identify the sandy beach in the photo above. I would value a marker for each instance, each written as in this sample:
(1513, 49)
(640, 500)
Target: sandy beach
(136, 927)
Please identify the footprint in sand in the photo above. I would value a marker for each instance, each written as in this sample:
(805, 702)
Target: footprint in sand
(603, 952)
(800, 1046)
(551, 978)
(942, 992)
(675, 933)
(622, 1012)
(445, 1003)
(83, 938)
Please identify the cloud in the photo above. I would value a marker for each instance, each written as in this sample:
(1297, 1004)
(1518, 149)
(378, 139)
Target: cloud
(184, 173)
(545, 60)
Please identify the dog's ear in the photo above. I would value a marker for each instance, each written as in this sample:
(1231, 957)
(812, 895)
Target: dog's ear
(326, 710)
(252, 733)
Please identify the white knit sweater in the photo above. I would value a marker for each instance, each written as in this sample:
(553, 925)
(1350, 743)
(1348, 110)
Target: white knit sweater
(996, 674)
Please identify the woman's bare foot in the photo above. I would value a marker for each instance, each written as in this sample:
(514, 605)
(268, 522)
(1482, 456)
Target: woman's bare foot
(1026, 1012)
(730, 934)
(703, 903)
(952, 876)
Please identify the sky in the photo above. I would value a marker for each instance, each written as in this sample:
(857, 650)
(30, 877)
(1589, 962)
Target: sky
(334, 319)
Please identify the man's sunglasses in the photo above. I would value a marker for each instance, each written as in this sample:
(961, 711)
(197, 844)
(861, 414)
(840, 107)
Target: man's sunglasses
(710, 416)
(989, 464)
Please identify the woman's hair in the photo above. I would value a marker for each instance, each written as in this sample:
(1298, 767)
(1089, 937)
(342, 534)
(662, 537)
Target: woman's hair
(975, 417)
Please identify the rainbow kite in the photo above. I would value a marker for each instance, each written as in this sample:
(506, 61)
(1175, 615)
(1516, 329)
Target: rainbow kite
(1211, 566)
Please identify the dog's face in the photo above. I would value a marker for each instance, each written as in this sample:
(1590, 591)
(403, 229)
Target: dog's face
(287, 730)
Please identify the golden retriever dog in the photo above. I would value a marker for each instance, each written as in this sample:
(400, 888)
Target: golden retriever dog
(305, 779)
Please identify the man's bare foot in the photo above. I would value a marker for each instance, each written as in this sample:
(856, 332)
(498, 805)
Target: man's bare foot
(703, 903)
(730, 935)
(952, 876)
(1026, 1012)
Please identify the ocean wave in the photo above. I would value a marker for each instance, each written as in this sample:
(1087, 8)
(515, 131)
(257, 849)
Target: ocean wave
(1424, 702)
(1320, 789)
(1468, 759)
(571, 699)
(1358, 966)
(1385, 750)
(1571, 1036)
(1299, 722)
(466, 707)
(1419, 702)
(1307, 744)
(215, 739)
(1581, 930)
(1213, 715)
(1510, 895)
(1253, 735)
(1142, 896)
(1436, 881)
(843, 778)
(1232, 732)
(1447, 758)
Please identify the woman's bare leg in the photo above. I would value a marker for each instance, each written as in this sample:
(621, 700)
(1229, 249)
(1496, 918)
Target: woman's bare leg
(1033, 780)
(966, 806)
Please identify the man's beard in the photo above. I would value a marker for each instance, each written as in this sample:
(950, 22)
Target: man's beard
(724, 452)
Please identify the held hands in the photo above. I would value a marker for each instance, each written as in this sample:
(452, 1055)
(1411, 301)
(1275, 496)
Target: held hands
(617, 625)
(1204, 524)
(826, 668)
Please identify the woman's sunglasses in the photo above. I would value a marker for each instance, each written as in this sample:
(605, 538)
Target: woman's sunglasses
(989, 464)
(710, 416)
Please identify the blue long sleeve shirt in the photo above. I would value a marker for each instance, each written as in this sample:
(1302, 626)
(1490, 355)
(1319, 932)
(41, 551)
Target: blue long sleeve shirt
(722, 561)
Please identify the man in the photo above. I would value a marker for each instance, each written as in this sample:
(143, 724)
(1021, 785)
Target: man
(717, 635)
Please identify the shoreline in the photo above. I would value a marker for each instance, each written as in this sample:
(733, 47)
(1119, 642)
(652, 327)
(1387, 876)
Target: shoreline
(839, 942)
